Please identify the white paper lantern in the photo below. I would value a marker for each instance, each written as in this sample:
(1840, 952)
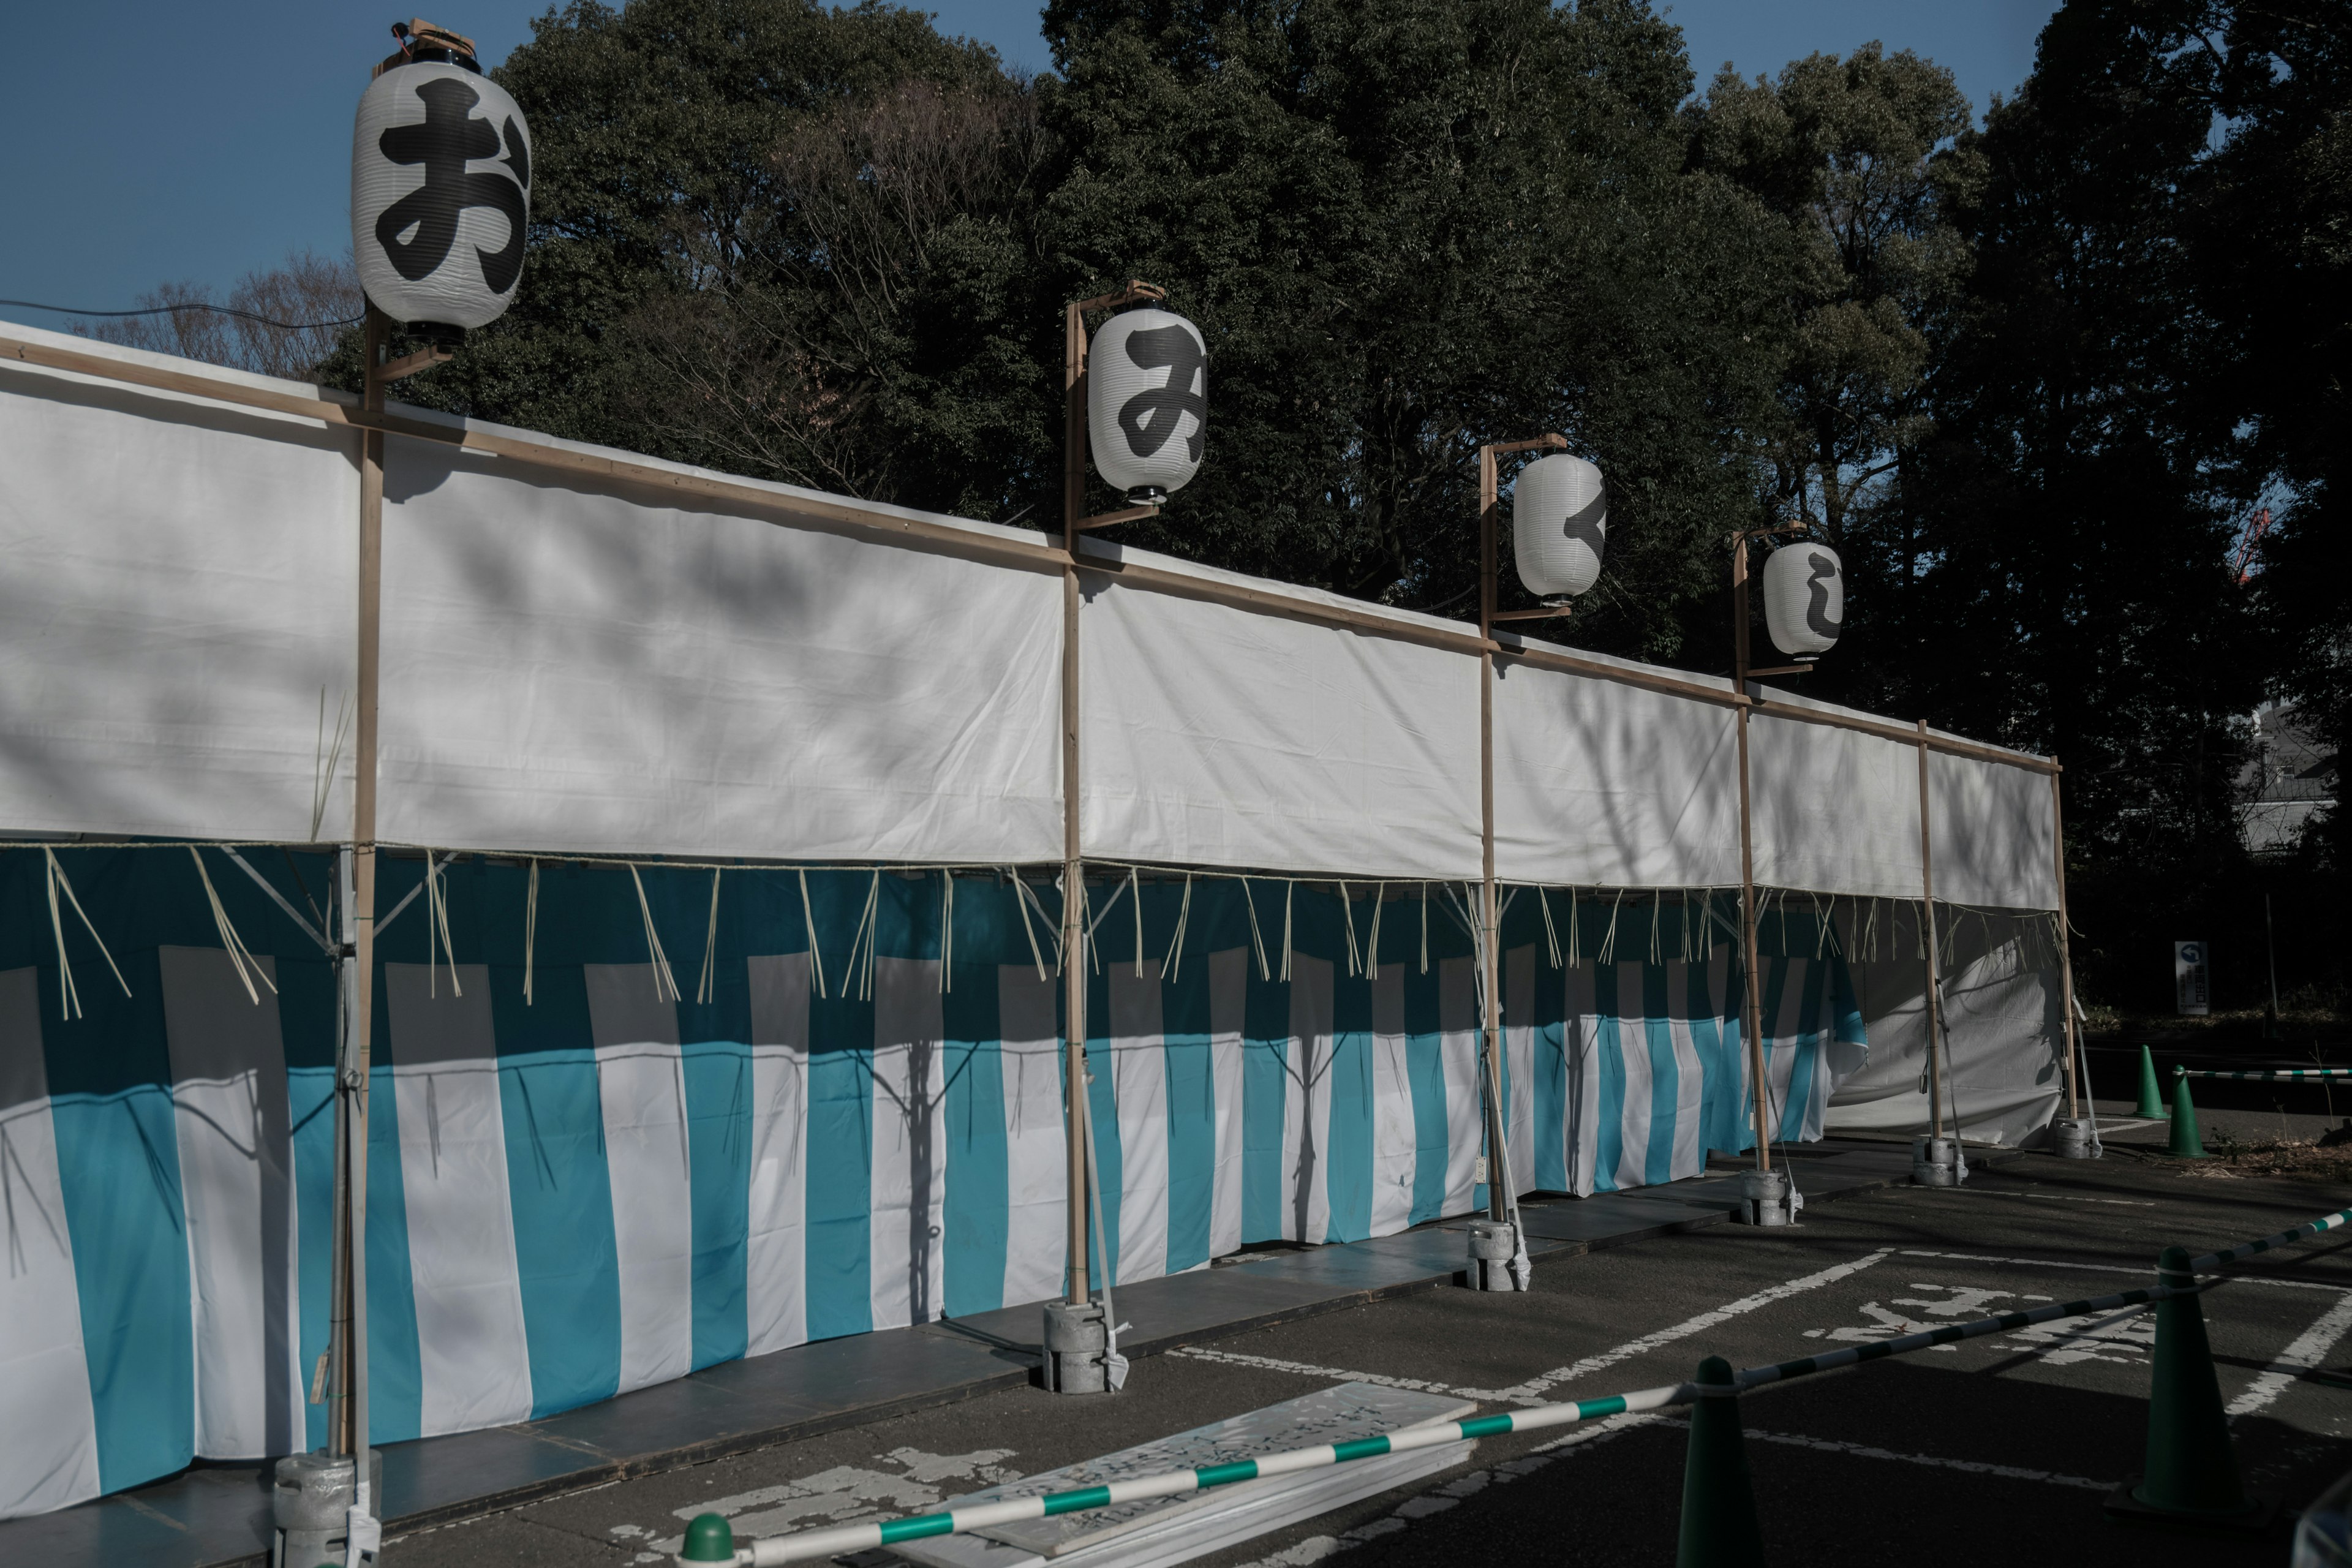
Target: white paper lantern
(1804, 598)
(1560, 521)
(1147, 403)
(440, 193)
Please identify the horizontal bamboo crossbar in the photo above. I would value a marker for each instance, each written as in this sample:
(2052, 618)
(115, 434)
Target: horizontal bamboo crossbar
(848, 517)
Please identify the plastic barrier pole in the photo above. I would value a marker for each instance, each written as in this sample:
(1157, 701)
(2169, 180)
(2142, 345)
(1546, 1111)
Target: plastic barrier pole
(812, 1545)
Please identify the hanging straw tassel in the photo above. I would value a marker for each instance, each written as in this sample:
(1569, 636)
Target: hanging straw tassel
(660, 959)
(240, 957)
(1257, 940)
(1134, 891)
(70, 999)
(1552, 934)
(436, 922)
(808, 919)
(868, 923)
(529, 930)
(1608, 953)
(707, 988)
(1347, 912)
(946, 930)
(1373, 940)
(1424, 928)
(1174, 963)
(1021, 902)
(1658, 915)
(1287, 889)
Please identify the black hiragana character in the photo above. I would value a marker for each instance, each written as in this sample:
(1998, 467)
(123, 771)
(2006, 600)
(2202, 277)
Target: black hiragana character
(450, 136)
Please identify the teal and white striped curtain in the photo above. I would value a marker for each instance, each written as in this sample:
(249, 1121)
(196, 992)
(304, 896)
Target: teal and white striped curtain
(583, 1181)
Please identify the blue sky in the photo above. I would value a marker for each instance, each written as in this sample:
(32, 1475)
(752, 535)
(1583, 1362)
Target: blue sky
(143, 149)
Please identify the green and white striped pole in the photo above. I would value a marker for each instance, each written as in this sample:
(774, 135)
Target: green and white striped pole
(2256, 1074)
(813, 1546)
(2301, 1233)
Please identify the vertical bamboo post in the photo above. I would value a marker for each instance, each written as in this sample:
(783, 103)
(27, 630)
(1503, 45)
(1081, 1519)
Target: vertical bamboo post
(1928, 935)
(1074, 967)
(355, 1077)
(1752, 1001)
(1489, 969)
(2065, 951)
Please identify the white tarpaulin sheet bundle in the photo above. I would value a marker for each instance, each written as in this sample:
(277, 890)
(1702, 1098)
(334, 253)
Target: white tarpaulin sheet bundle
(581, 662)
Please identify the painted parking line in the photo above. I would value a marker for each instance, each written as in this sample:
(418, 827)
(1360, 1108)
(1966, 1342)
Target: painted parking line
(2304, 1355)
(1336, 1374)
(1530, 1392)
(1689, 1326)
(2120, 1269)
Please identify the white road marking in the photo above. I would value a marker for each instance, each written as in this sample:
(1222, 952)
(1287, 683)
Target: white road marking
(1973, 1466)
(2147, 1273)
(2307, 1351)
(2068, 1198)
(1689, 1326)
(1532, 1390)
(1338, 1374)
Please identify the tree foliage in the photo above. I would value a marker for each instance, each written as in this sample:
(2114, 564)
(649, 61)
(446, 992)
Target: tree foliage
(2030, 377)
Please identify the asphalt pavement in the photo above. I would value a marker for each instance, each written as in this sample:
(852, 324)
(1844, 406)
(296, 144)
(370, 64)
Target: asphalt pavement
(2001, 1447)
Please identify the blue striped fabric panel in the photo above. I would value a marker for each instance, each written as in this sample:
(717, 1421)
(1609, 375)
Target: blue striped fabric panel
(593, 1166)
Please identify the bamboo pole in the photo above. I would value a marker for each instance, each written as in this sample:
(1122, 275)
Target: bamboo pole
(1752, 1000)
(1928, 935)
(2065, 953)
(1074, 966)
(1490, 1029)
(363, 866)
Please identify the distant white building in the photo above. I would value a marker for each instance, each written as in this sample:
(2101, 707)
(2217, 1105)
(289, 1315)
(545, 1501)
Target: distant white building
(2284, 782)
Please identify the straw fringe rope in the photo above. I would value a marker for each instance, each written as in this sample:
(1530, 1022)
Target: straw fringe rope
(530, 931)
(436, 920)
(1021, 901)
(1348, 913)
(1173, 963)
(706, 989)
(1134, 891)
(1372, 938)
(808, 919)
(1257, 940)
(1552, 934)
(240, 957)
(663, 981)
(1287, 889)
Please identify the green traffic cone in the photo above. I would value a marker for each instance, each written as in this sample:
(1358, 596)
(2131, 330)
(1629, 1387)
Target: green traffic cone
(2192, 1468)
(2151, 1098)
(2185, 1144)
(709, 1539)
(1718, 1527)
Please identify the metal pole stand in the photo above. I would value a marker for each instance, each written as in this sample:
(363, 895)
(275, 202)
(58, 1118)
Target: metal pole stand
(2074, 1138)
(1937, 1162)
(310, 1504)
(1076, 1344)
(1493, 1244)
(1766, 1198)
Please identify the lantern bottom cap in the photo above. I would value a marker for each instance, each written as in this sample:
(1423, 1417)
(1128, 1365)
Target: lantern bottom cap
(1147, 495)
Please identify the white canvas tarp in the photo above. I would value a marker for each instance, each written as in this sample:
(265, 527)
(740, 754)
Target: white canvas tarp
(580, 667)
(1603, 784)
(1211, 735)
(177, 603)
(575, 662)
